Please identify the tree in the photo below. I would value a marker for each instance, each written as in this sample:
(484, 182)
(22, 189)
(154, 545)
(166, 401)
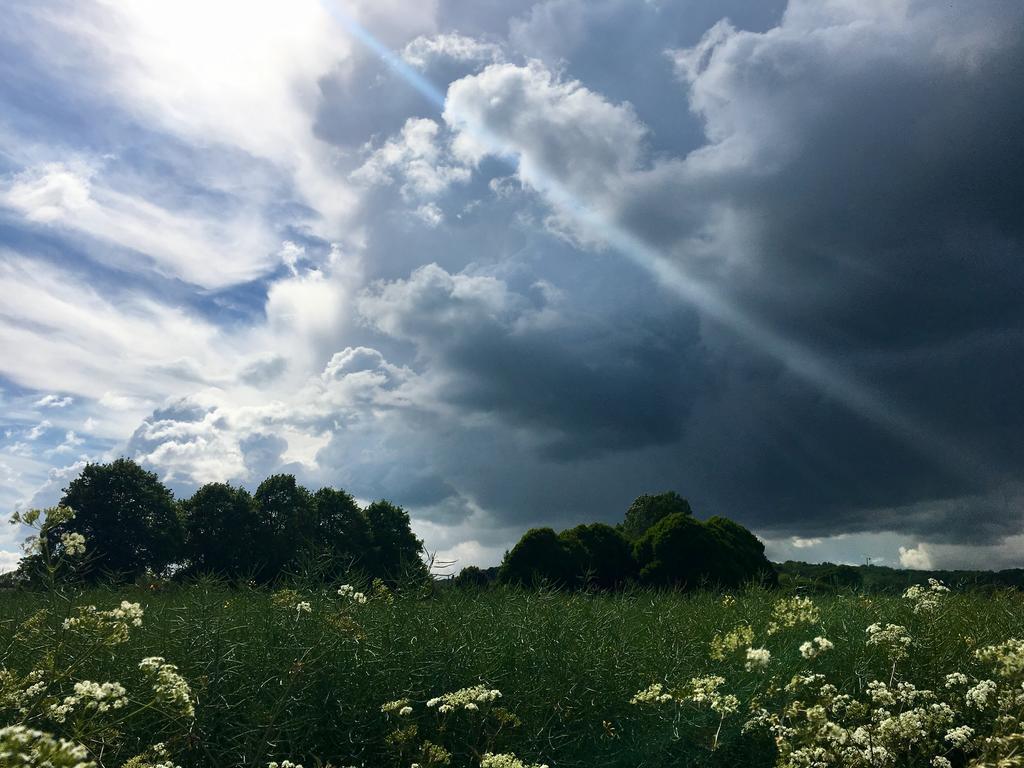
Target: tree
(680, 551)
(648, 509)
(285, 511)
(127, 517)
(222, 530)
(341, 531)
(607, 557)
(395, 548)
(744, 554)
(541, 556)
(472, 577)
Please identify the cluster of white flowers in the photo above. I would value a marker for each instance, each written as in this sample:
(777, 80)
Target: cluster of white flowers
(793, 612)
(465, 698)
(704, 690)
(893, 638)
(169, 686)
(815, 647)
(1007, 657)
(960, 736)
(757, 658)
(303, 606)
(349, 592)
(926, 599)
(284, 764)
(20, 693)
(21, 746)
(741, 636)
(73, 544)
(90, 697)
(655, 693)
(401, 706)
(111, 626)
(506, 760)
(982, 694)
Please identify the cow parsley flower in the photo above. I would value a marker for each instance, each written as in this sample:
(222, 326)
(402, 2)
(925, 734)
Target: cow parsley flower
(926, 599)
(741, 636)
(506, 760)
(465, 698)
(21, 746)
(891, 637)
(652, 694)
(815, 647)
(980, 695)
(793, 612)
(757, 658)
(169, 686)
(73, 544)
(960, 736)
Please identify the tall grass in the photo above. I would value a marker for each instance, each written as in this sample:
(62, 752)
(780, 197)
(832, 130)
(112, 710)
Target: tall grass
(275, 681)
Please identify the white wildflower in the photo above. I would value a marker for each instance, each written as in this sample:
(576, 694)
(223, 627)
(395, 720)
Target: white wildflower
(757, 658)
(812, 648)
(73, 543)
(169, 686)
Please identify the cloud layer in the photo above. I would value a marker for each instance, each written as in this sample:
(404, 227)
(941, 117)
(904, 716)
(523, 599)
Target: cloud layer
(772, 261)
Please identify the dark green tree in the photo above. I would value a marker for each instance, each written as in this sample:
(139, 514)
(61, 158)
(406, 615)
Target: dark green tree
(286, 522)
(648, 509)
(744, 559)
(341, 533)
(472, 577)
(395, 548)
(127, 517)
(222, 530)
(607, 557)
(542, 557)
(680, 551)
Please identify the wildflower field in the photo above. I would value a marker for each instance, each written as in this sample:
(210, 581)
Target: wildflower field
(212, 675)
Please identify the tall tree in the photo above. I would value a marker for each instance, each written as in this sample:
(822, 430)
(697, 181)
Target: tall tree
(396, 550)
(222, 530)
(680, 551)
(341, 531)
(648, 509)
(286, 517)
(607, 557)
(127, 517)
(541, 556)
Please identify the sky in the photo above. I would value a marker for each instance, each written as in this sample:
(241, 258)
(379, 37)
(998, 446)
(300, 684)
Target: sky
(512, 264)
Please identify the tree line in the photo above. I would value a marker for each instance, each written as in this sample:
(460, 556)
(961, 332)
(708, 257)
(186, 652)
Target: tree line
(135, 526)
(658, 543)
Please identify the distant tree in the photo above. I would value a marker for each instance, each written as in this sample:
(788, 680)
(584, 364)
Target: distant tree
(680, 551)
(541, 556)
(648, 509)
(341, 533)
(127, 517)
(841, 576)
(472, 577)
(285, 511)
(395, 548)
(743, 554)
(222, 530)
(606, 560)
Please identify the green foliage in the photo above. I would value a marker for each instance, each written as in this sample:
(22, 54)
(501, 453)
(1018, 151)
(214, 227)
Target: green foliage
(680, 551)
(273, 681)
(222, 530)
(648, 509)
(395, 548)
(127, 515)
(542, 557)
(743, 558)
(341, 531)
(472, 577)
(285, 511)
(605, 557)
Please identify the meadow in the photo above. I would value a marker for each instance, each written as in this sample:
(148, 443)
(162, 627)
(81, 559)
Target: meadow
(366, 677)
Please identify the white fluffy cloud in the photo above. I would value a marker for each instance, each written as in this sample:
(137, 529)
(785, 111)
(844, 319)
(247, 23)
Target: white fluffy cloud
(418, 157)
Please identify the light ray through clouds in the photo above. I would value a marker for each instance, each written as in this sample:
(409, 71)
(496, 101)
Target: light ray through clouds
(802, 362)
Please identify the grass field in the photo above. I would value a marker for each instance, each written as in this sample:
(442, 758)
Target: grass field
(273, 678)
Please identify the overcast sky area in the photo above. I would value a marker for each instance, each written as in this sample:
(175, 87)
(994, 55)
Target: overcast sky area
(513, 263)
